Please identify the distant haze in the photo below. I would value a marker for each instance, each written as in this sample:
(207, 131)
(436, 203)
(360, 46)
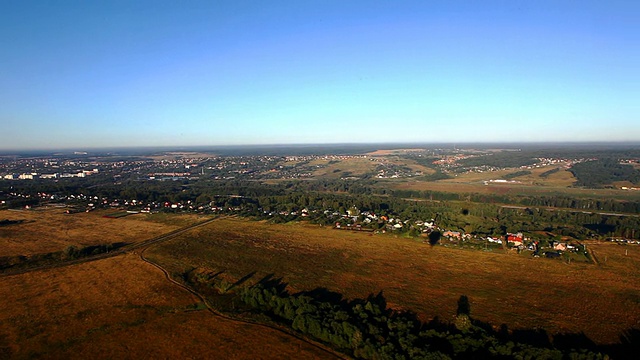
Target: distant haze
(324, 149)
(78, 74)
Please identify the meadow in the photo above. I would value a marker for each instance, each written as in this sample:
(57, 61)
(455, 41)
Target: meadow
(600, 301)
(123, 307)
(119, 307)
(50, 229)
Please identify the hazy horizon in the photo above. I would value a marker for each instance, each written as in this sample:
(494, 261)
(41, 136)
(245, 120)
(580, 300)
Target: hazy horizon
(78, 75)
(318, 148)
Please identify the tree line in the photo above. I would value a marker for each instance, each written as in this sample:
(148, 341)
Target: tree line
(367, 329)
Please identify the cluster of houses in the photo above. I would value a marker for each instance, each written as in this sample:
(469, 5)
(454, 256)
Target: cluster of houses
(35, 175)
(351, 219)
(624, 241)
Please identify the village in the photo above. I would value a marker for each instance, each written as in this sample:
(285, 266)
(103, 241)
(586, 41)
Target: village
(176, 182)
(352, 219)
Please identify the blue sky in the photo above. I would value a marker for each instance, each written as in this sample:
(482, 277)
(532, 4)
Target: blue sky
(154, 73)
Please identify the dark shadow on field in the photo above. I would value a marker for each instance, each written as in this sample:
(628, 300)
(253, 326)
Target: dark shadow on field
(324, 295)
(434, 237)
(568, 341)
(601, 229)
(6, 222)
(213, 276)
(71, 252)
(629, 346)
(100, 249)
(271, 282)
(535, 337)
(242, 280)
(436, 334)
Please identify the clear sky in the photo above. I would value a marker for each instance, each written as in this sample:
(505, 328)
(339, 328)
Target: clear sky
(175, 73)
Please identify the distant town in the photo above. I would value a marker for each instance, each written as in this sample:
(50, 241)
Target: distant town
(124, 183)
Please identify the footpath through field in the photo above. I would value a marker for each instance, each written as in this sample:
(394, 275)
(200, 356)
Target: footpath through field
(122, 250)
(328, 351)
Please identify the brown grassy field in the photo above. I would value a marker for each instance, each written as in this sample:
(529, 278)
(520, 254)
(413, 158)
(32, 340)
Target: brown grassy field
(362, 166)
(522, 293)
(562, 178)
(50, 230)
(355, 166)
(558, 183)
(124, 308)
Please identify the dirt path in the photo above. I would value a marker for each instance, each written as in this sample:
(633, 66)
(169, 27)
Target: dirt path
(106, 303)
(120, 251)
(213, 311)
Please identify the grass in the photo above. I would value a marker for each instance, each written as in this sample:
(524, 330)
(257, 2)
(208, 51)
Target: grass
(503, 288)
(346, 167)
(117, 215)
(52, 230)
(123, 307)
(357, 167)
(457, 186)
(559, 183)
(119, 308)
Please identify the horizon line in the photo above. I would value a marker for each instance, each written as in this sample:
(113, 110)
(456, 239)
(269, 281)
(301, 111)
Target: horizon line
(387, 145)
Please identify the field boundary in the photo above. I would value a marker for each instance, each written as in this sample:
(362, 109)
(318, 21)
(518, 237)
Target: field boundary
(215, 312)
(122, 250)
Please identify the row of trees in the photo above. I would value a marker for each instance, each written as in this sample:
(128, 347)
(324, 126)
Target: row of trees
(479, 214)
(367, 329)
(71, 252)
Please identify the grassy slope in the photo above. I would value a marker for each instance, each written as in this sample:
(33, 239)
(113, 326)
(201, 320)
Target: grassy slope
(50, 230)
(503, 288)
(559, 183)
(122, 308)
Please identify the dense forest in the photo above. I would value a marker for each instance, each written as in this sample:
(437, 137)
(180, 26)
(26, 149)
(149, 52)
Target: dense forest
(509, 159)
(599, 173)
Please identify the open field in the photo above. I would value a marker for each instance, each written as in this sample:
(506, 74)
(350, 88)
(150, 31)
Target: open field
(347, 167)
(123, 307)
(510, 189)
(52, 230)
(557, 183)
(335, 169)
(523, 293)
(561, 178)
